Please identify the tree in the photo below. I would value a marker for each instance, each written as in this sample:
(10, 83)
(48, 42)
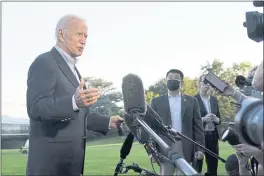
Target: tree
(159, 87)
(190, 86)
(149, 96)
(106, 104)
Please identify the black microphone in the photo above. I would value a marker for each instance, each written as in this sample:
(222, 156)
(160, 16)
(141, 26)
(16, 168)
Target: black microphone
(124, 152)
(232, 165)
(134, 103)
(133, 94)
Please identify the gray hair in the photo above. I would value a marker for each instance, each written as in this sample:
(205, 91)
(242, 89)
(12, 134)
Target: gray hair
(64, 22)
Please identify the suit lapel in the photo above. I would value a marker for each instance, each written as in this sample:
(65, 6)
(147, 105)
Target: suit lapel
(183, 106)
(202, 107)
(64, 67)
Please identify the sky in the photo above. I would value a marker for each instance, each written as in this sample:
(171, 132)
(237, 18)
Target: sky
(145, 38)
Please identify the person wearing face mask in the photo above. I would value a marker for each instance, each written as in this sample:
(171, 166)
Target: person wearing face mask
(181, 112)
(211, 119)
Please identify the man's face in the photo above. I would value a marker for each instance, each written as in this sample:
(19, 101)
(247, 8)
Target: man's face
(74, 37)
(174, 81)
(206, 88)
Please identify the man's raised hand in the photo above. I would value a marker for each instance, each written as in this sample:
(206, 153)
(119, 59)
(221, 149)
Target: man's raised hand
(87, 97)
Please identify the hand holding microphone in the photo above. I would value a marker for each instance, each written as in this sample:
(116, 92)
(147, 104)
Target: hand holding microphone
(116, 122)
(85, 97)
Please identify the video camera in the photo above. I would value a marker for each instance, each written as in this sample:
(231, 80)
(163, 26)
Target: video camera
(254, 23)
(245, 86)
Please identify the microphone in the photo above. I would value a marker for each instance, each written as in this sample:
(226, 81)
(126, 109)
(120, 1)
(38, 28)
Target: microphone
(232, 165)
(134, 104)
(133, 95)
(124, 152)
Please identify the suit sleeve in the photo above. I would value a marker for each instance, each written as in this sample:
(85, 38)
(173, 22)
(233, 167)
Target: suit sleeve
(98, 123)
(41, 83)
(198, 125)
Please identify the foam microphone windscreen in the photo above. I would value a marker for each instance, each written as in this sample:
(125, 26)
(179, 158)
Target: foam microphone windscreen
(133, 94)
(232, 165)
(127, 145)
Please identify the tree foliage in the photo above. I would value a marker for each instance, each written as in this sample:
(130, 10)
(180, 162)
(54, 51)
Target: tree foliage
(106, 104)
(149, 95)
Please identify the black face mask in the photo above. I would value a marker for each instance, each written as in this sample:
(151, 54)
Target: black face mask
(173, 84)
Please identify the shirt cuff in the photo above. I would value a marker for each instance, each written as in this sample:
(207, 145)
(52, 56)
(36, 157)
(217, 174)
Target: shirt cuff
(75, 107)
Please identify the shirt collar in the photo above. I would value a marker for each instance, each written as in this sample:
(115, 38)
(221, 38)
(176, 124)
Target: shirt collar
(179, 95)
(205, 98)
(67, 57)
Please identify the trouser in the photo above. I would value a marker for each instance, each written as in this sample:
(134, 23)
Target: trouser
(211, 143)
(169, 169)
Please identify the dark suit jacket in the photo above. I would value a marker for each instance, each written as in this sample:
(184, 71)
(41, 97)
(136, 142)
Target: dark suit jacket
(56, 138)
(191, 121)
(214, 109)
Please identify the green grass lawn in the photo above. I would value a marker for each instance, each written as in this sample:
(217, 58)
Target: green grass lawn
(101, 158)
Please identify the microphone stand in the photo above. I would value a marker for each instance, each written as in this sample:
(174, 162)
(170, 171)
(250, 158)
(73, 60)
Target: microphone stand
(173, 132)
(175, 158)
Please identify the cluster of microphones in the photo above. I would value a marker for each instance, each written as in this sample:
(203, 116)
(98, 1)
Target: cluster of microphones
(141, 118)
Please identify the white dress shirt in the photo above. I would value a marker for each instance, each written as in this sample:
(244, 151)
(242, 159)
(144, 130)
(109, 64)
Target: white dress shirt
(175, 110)
(210, 126)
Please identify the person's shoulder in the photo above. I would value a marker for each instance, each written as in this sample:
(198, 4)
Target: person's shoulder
(214, 98)
(159, 97)
(196, 95)
(44, 61)
(190, 98)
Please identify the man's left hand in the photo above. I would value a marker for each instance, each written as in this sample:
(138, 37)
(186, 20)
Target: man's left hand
(199, 155)
(114, 120)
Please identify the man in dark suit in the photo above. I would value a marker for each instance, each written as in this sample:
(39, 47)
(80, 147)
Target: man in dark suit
(58, 106)
(182, 113)
(211, 119)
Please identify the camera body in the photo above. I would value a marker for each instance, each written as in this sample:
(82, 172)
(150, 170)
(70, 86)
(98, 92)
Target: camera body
(245, 86)
(254, 23)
